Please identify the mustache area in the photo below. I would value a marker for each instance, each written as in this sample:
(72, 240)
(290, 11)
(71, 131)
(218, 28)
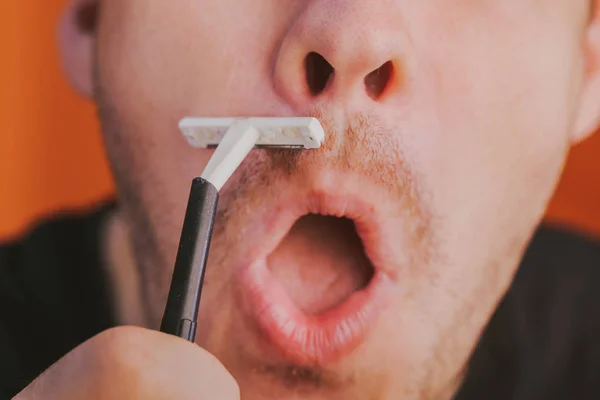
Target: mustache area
(360, 144)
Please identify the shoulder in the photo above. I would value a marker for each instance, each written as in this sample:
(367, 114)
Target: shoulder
(542, 341)
(53, 293)
(559, 280)
(561, 253)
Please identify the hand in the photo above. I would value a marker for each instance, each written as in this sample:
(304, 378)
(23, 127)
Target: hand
(134, 363)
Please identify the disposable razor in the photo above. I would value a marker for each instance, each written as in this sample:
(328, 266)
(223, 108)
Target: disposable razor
(233, 139)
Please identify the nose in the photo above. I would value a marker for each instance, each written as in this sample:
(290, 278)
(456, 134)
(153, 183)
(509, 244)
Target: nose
(343, 49)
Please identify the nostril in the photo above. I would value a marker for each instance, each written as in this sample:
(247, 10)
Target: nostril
(318, 73)
(379, 80)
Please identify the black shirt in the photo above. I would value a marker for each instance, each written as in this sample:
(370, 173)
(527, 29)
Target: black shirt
(542, 343)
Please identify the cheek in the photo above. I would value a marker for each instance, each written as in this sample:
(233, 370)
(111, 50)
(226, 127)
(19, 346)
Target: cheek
(207, 58)
(503, 101)
(495, 112)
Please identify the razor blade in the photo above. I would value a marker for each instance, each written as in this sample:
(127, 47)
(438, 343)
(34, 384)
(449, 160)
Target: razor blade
(277, 132)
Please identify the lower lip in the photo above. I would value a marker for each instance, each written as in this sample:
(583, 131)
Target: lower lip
(305, 339)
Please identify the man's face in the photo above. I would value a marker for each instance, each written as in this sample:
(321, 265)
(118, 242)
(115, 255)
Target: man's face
(447, 123)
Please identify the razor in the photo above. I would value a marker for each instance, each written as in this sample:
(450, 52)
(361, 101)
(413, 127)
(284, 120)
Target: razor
(232, 139)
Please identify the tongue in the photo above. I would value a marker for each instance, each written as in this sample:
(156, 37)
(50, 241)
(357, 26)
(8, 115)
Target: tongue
(320, 263)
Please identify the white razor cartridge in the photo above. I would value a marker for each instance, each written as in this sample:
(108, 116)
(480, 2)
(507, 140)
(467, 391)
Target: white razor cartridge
(277, 132)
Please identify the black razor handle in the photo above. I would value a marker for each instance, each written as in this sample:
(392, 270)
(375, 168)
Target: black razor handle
(181, 311)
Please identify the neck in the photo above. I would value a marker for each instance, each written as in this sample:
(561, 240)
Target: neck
(122, 273)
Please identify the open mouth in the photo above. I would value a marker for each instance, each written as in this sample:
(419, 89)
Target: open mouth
(320, 263)
(316, 287)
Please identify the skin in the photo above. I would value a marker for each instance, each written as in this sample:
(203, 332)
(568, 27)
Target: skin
(461, 152)
(134, 363)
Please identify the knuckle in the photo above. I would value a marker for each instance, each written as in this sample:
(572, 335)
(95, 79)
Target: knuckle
(123, 353)
(120, 343)
(137, 363)
(117, 363)
(125, 363)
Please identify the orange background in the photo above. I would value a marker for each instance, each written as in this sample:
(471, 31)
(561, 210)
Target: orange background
(51, 155)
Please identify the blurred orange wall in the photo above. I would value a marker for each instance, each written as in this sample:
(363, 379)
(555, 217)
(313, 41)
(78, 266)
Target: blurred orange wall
(51, 154)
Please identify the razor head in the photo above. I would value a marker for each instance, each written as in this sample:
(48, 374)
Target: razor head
(276, 132)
